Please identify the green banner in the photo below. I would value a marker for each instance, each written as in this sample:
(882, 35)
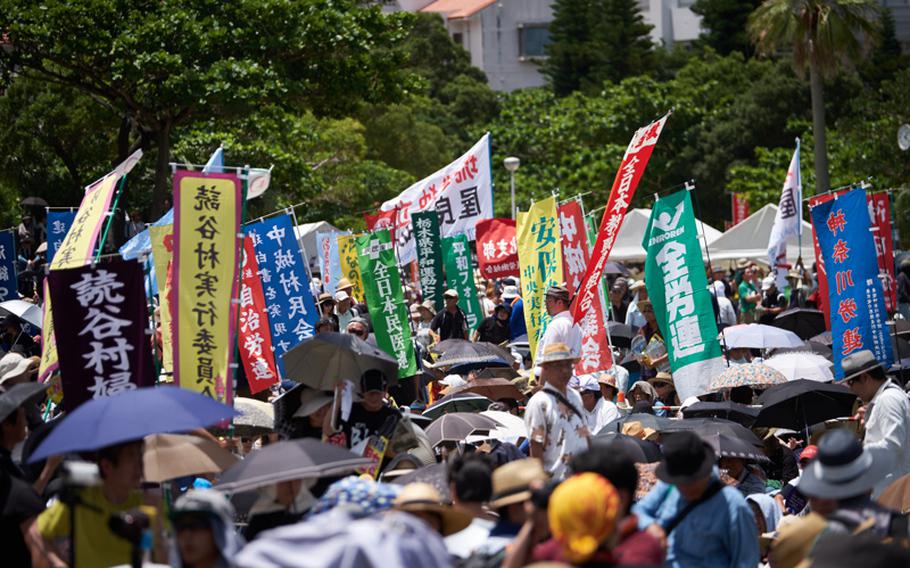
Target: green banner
(429, 256)
(460, 277)
(382, 287)
(678, 289)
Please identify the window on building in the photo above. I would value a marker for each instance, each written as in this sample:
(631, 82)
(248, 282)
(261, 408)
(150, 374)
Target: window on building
(458, 38)
(533, 40)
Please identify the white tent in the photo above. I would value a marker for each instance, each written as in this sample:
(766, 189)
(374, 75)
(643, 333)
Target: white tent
(749, 239)
(306, 236)
(628, 242)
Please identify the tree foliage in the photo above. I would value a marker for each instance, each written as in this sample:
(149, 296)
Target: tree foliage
(723, 24)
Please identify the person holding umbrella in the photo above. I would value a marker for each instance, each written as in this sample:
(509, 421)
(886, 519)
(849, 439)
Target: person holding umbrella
(368, 416)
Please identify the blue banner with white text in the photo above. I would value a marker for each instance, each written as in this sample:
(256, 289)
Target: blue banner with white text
(9, 284)
(58, 225)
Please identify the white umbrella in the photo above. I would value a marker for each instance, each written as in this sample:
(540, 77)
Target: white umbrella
(758, 336)
(802, 366)
(25, 311)
(512, 426)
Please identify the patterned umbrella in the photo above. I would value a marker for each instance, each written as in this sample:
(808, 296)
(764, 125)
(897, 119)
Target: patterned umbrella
(748, 375)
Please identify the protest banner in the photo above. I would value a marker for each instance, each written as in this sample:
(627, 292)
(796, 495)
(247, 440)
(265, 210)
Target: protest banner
(429, 257)
(329, 261)
(740, 209)
(58, 225)
(162, 243)
(540, 259)
(678, 289)
(787, 222)
(497, 249)
(9, 283)
(624, 184)
(350, 266)
(595, 350)
(604, 290)
(49, 359)
(207, 210)
(456, 254)
(78, 248)
(289, 301)
(461, 193)
(109, 352)
(855, 294)
(384, 296)
(253, 335)
(383, 220)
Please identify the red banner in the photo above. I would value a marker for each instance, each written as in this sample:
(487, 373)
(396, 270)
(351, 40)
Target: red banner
(740, 209)
(624, 185)
(254, 337)
(382, 220)
(497, 253)
(595, 351)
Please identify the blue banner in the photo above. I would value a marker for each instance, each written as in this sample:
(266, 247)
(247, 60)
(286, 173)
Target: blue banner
(329, 261)
(58, 225)
(9, 284)
(285, 283)
(855, 292)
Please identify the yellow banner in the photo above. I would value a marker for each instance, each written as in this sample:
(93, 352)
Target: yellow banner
(49, 362)
(207, 210)
(162, 252)
(540, 261)
(350, 267)
(78, 247)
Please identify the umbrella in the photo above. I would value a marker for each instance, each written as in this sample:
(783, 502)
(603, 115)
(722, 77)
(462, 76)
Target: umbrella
(758, 336)
(630, 363)
(169, 456)
(650, 421)
(748, 375)
(899, 327)
(799, 404)
(802, 366)
(435, 474)
(326, 359)
(25, 311)
(728, 410)
(726, 446)
(458, 402)
(810, 346)
(712, 426)
(804, 322)
(620, 334)
(641, 451)
(304, 458)
(285, 406)
(17, 395)
(33, 201)
(513, 425)
(615, 268)
(493, 389)
(897, 495)
(132, 415)
(507, 373)
(256, 417)
(457, 426)
(464, 354)
(824, 338)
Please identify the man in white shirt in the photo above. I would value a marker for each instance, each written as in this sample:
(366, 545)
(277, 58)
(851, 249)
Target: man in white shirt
(726, 313)
(562, 328)
(887, 414)
(634, 317)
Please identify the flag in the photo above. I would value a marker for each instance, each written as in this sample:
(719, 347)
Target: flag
(384, 296)
(9, 283)
(497, 250)
(382, 220)
(329, 261)
(78, 247)
(855, 295)
(207, 210)
(787, 222)
(624, 184)
(253, 336)
(740, 209)
(461, 193)
(456, 254)
(429, 257)
(678, 290)
(50, 361)
(58, 225)
(350, 266)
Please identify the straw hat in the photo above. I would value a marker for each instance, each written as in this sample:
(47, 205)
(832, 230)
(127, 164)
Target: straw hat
(662, 377)
(512, 482)
(344, 284)
(424, 498)
(556, 352)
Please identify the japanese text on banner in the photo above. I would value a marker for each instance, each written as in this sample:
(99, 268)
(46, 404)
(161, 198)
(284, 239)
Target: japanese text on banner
(350, 266)
(9, 283)
(253, 334)
(329, 261)
(429, 257)
(58, 225)
(78, 247)
(497, 248)
(49, 358)
(456, 253)
(207, 209)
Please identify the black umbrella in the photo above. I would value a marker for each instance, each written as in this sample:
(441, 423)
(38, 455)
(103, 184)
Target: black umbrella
(456, 426)
(304, 458)
(458, 402)
(460, 353)
(630, 363)
(325, 360)
(804, 322)
(712, 426)
(18, 395)
(33, 202)
(899, 327)
(727, 446)
(656, 423)
(615, 268)
(620, 334)
(801, 403)
(435, 474)
(728, 410)
(641, 451)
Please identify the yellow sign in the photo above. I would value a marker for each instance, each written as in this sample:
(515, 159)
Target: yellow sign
(162, 238)
(350, 267)
(206, 227)
(78, 247)
(540, 261)
(49, 361)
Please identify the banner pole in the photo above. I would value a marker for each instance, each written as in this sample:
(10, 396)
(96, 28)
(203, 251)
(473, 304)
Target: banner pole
(110, 218)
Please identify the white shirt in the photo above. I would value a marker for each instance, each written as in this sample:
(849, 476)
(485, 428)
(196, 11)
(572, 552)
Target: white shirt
(634, 317)
(888, 432)
(727, 313)
(561, 329)
(562, 432)
(605, 411)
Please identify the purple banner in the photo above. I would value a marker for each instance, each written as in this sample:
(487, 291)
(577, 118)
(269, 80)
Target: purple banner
(101, 319)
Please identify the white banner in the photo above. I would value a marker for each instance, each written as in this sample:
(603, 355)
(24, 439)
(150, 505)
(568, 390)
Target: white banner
(787, 222)
(461, 193)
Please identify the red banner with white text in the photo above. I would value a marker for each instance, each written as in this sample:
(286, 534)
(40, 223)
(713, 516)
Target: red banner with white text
(740, 209)
(254, 337)
(497, 253)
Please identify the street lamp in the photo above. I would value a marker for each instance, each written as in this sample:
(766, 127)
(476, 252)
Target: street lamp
(511, 163)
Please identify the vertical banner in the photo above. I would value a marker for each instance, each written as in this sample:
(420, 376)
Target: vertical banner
(388, 312)
(787, 221)
(162, 241)
(383, 220)
(456, 254)
(49, 359)
(58, 225)
(329, 261)
(108, 351)
(855, 293)
(9, 283)
(595, 350)
(883, 235)
(429, 257)
(540, 259)
(78, 248)
(497, 249)
(460, 193)
(678, 289)
(253, 335)
(604, 290)
(740, 209)
(624, 184)
(207, 210)
(350, 266)
(289, 302)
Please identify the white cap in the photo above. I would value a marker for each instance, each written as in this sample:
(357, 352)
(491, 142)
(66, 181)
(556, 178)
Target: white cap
(341, 296)
(510, 292)
(717, 289)
(453, 381)
(588, 383)
(767, 282)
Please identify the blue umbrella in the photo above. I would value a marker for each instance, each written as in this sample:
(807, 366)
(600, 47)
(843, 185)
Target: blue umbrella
(129, 416)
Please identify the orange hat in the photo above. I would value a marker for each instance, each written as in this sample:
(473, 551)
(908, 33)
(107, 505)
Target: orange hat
(583, 513)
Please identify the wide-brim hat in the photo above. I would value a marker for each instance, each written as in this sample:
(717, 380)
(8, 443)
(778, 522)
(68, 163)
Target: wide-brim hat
(604, 378)
(509, 293)
(424, 498)
(450, 293)
(858, 363)
(325, 297)
(13, 365)
(427, 305)
(512, 482)
(310, 401)
(842, 468)
(687, 458)
(557, 352)
(343, 284)
(662, 377)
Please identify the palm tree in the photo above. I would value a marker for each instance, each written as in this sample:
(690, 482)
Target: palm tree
(823, 36)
